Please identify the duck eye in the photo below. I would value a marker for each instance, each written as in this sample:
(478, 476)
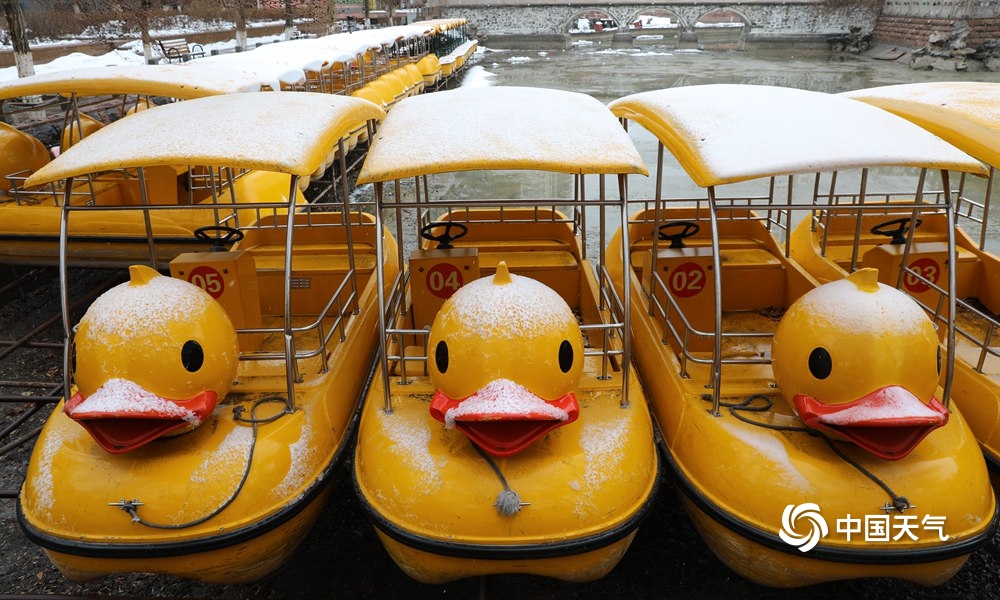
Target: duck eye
(565, 356)
(441, 357)
(820, 363)
(192, 356)
(939, 360)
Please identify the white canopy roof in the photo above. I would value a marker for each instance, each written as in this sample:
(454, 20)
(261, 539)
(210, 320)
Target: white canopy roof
(284, 132)
(965, 113)
(727, 133)
(500, 128)
(184, 81)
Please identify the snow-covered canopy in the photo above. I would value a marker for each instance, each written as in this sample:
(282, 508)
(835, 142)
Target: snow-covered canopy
(499, 128)
(726, 133)
(965, 113)
(283, 132)
(182, 81)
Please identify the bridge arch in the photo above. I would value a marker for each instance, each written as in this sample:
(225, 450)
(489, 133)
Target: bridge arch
(656, 17)
(593, 16)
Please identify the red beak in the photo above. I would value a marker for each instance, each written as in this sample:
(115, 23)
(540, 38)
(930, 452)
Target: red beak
(504, 418)
(121, 416)
(888, 422)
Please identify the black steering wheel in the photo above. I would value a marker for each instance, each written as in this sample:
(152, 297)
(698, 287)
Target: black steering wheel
(895, 229)
(445, 238)
(687, 229)
(225, 236)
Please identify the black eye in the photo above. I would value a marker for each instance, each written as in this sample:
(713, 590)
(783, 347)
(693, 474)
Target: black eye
(820, 363)
(939, 360)
(441, 357)
(565, 356)
(192, 356)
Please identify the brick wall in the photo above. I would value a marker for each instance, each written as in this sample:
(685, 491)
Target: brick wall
(915, 31)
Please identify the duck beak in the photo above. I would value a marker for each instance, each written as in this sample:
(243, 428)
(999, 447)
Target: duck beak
(122, 416)
(888, 422)
(504, 417)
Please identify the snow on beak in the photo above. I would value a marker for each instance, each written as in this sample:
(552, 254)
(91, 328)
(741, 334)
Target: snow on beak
(888, 422)
(122, 416)
(504, 417)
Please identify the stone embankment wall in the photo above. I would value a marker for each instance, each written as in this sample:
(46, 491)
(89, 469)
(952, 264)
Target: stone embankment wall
(913, 22)
(766, 21)
(947, 34)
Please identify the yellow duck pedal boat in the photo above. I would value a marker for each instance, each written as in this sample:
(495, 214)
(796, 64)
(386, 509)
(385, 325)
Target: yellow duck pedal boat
(831, 244)
(804, 423)
(504, 432)
(210, 406)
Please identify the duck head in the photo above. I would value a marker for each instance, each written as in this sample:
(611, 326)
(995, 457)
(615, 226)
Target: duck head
(153, 357)
(861, 360)
(506, 353)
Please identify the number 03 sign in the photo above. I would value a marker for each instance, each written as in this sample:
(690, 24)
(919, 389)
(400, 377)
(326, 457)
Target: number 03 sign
(208, 279)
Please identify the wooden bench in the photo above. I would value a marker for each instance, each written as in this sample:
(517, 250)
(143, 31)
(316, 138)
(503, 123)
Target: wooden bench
(178, 50)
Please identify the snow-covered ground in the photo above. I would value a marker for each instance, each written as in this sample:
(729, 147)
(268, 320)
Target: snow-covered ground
(131, 52)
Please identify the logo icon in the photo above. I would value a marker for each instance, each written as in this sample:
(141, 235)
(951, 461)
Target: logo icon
(806, 512)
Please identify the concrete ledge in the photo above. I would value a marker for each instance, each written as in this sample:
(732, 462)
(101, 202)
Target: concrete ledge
(542, 41)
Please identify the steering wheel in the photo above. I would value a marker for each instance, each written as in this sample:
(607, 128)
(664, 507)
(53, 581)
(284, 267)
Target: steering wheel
(687, 229)
(895, 229)
(219, 242)
(445, 238)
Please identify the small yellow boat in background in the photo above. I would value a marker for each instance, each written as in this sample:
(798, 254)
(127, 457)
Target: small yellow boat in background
(30, 214)
(804, 423)
(505, 431)
(208, 408)
(832, 243)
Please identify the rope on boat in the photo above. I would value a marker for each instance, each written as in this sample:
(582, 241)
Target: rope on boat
(508, 502)
(899, 503)
(132, 506)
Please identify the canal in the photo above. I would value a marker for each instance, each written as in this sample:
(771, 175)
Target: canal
(341, 556)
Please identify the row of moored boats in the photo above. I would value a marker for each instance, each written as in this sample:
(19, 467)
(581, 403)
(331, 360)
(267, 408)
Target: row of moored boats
(803, 344)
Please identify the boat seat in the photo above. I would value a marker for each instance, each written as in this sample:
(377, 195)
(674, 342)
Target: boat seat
(314, 278)
(751, 278)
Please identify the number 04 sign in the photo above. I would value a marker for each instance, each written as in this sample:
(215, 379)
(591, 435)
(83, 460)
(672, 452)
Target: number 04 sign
(443, 280)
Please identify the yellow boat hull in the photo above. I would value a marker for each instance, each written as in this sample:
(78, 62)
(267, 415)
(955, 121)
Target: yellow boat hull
(741, 468)
(229, 501)
(236, 564)
(431, 496)
(766, 566)
(431, 568)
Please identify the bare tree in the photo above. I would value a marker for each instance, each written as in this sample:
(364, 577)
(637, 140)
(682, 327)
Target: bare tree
(238, 9)
(390, 7)
(137, 13)
(18, 37)
(289, 19)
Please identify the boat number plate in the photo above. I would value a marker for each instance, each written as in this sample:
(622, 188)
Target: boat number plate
(444, 279)
(300, 283)
(208, 279)
(687, 280)
(928, 268)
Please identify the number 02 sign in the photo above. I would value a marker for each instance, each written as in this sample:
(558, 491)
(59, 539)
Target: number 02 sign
(443, 280)
(208, 279)
(686, 280)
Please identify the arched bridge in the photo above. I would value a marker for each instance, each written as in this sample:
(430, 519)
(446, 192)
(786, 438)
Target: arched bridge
(769, 18)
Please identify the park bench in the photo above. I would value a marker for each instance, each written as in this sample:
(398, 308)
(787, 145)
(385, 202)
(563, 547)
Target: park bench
(178, 50)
